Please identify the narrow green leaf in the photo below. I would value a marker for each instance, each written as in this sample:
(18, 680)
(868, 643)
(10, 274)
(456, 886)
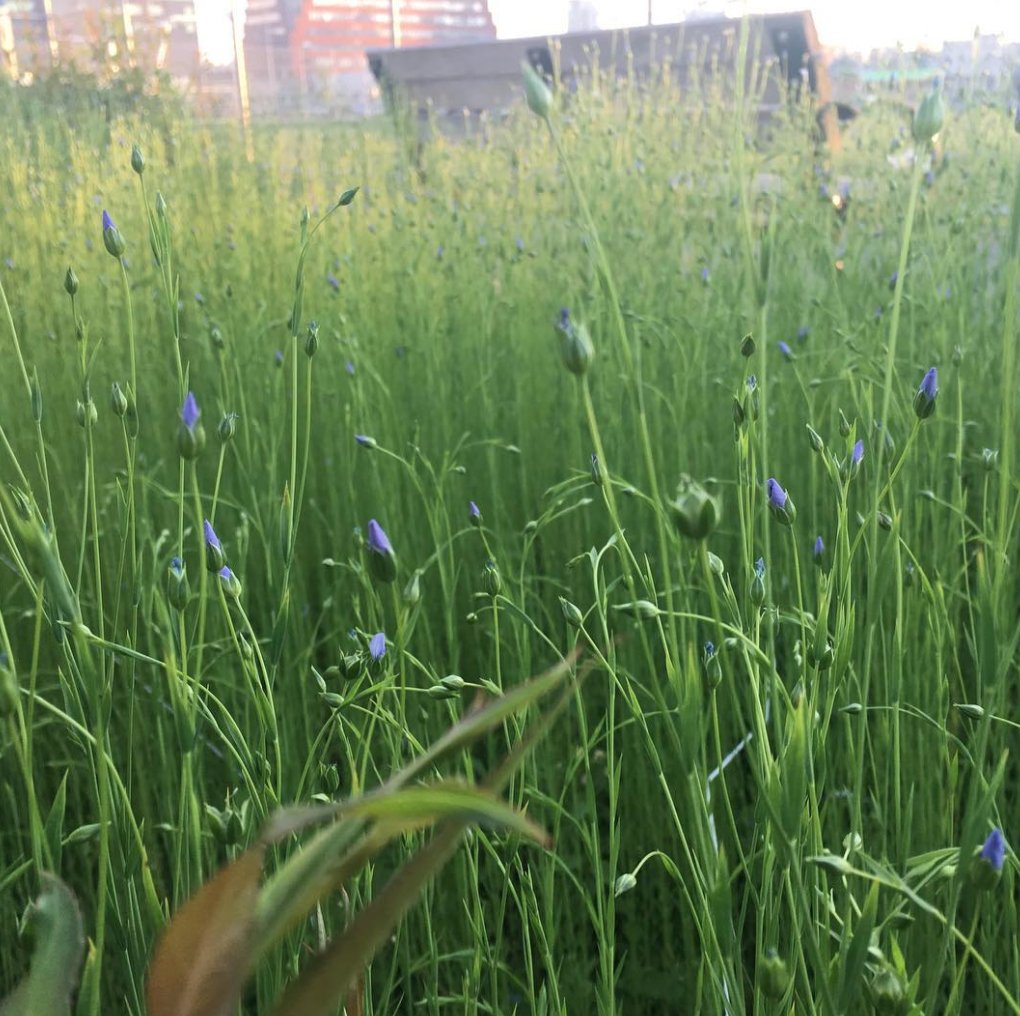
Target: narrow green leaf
(852, 969)
(60, 942)
(204, 957)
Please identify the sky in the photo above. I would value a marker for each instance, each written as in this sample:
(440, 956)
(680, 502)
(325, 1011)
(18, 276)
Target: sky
(855, 25)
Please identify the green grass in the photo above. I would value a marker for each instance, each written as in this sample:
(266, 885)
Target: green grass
(438, 342)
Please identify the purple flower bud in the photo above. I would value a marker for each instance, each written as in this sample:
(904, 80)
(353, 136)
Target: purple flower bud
(759, 567)
(377, 539)
(474, 511)
(858, 453)
(924, 400)
(333, 281)
(349, 367)
(893, 279)
(365, 441)
(278, 358)
(211, 539)
(819, 548)
(704, 274)
(177, 566)
(994, 850)
(440, 250)
(929, 178)
(226, 573)
(802, 332)
(776, 494)
(107, 221)
(785, 350)
(520, 245)
(377, 647)
(190, 412)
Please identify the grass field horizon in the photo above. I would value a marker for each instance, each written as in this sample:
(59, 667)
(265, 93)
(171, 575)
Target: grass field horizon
(299, 456)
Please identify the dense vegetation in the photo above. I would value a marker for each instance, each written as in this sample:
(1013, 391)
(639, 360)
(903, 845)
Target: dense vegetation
(741, 304)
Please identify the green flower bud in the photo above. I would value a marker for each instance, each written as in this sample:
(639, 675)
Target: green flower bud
(536, 91)
(454, 682)
(844, 425)
(852, 709)
(775, 977)
(329, 776)
(137, 160)
(929, 116)
(178, 589)
(884, 522)
(412, 591)
(643, 610)
(217, 823)
(989, 459)
(311, 339)
(227, 427)
(971, 710)
(493, 582)
(118, 401)
(625, 883)
(576, 348)
(571, 613)
(440, 692)
(471, 618)
(887, 994)
(86, 414)
(817, 444)
(695, 511)
(747, 346)
(739, 415)
(112, 239)
(596, 471)
(71, 282)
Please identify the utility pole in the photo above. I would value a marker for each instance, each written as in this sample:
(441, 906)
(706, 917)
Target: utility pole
(395, 23)
(241, 69)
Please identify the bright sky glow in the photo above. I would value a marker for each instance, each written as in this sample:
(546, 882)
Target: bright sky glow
(855, 25)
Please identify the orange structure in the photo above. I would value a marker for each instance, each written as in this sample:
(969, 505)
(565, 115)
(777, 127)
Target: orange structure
(331, 37)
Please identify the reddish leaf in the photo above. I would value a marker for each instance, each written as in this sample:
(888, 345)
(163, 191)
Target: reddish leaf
(204, 956)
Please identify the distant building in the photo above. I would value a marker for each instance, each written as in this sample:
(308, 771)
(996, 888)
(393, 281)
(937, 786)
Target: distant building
(330, 38)
(36, 34)
(583, 16)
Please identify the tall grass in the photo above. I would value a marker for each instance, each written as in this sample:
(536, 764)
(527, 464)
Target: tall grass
(825, 866)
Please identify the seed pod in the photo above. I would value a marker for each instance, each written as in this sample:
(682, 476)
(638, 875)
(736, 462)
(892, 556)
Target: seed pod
(454, 682)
